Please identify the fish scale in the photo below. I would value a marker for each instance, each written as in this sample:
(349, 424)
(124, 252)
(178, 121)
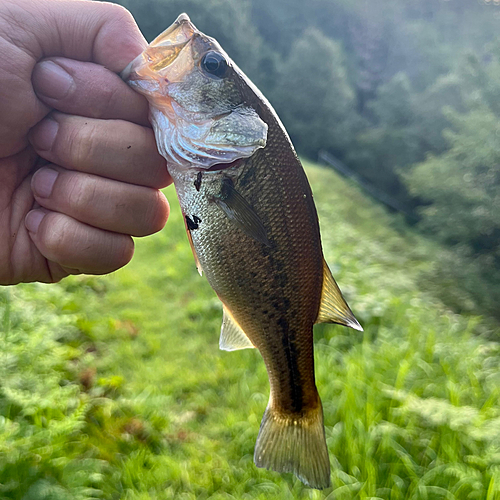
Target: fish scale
(253, 228)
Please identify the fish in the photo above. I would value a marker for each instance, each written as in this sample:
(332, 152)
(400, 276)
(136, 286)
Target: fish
(253, 229)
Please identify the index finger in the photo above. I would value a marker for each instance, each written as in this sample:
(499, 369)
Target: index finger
(87, 89)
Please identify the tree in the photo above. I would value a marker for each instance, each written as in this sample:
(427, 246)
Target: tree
(314, 97)
(463, 186)
(392, 142)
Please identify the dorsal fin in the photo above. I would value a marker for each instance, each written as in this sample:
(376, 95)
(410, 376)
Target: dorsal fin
(232, 337)
(334, 308)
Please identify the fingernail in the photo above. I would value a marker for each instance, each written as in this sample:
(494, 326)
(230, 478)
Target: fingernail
(51, 80)
(43, 182)
(33, 220)
(44, 134)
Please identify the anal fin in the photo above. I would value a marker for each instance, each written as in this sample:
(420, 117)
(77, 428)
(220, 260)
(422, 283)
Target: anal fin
(232, 337)
(334, 308)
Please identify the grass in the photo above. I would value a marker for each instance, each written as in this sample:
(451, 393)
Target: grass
(114, 387)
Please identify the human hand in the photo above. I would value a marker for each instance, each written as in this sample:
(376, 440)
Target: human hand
(75, 183)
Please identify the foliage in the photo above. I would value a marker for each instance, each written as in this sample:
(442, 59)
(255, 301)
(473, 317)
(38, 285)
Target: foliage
(42, 409)
(462, 184)
(329, 123)
(114, 387)
(394, 139)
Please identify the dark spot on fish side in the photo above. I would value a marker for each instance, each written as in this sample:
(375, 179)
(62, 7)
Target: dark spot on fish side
(197, 182)
(128, 147)
(192, 223)
(288, 337)
(283, 324)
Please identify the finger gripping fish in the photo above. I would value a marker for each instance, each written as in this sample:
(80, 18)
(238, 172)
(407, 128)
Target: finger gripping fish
(253, 228)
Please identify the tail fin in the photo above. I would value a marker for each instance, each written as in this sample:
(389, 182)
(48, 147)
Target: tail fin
(298, 445)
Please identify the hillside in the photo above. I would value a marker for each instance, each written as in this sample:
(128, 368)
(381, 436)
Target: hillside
(114, 387)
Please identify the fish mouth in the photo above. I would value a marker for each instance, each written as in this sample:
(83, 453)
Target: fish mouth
(161, 54)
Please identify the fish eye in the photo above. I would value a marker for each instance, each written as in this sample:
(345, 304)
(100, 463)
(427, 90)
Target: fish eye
(214, 64)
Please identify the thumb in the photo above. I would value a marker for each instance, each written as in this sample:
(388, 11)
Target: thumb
(100, 32)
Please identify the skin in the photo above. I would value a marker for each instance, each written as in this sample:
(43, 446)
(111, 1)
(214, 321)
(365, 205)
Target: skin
(79, 169)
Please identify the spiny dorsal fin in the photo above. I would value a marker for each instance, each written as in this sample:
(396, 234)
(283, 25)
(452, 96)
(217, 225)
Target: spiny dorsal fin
(232, 337)
(334, 308)
(240, 213)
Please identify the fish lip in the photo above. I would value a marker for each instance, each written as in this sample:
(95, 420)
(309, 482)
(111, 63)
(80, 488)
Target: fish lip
(169, 37)
(179, 33)
(182, 18)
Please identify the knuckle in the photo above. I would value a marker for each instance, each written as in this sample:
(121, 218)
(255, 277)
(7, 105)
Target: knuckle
(57, 234)
(81, 193)
(119, 13)
(109, 95)
(119, 17)
(82, 142)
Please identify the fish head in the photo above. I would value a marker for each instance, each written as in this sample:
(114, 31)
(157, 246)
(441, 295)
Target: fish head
(200, 101)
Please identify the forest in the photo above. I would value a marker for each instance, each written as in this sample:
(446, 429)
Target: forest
(405, 93)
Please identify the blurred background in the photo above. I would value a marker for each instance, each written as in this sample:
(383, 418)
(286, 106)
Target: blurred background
(114, 388)
(404, 94)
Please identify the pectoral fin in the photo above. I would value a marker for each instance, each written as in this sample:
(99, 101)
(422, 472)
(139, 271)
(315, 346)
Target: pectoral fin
(334, 308)
(239, 212)
(232, 337)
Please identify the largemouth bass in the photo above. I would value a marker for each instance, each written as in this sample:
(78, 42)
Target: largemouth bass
(253, 229)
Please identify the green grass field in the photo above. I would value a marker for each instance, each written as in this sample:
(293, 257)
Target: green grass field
(114, 387)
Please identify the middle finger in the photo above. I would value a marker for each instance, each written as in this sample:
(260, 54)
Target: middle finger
(116, 149)
(99, 202)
